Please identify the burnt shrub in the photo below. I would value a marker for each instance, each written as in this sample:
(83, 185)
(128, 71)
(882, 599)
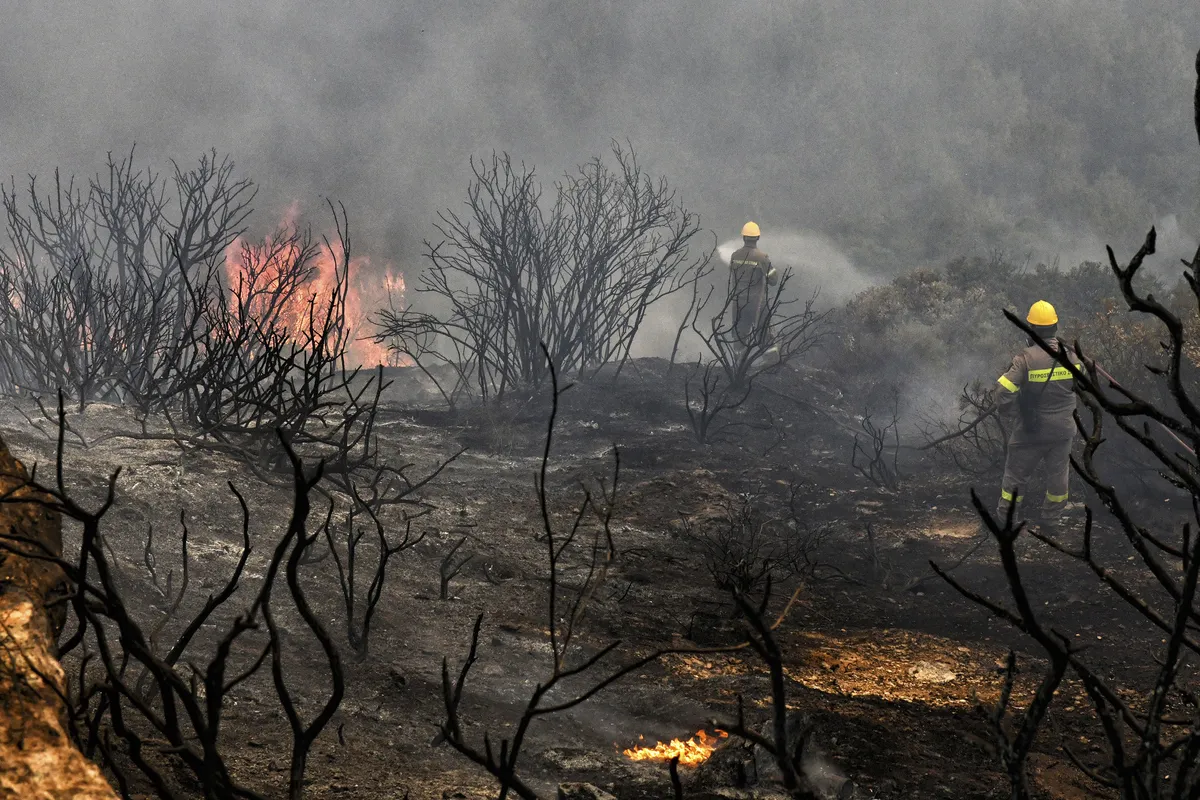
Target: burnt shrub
(577, 268)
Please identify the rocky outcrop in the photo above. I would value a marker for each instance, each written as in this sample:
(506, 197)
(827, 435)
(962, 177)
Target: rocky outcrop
(37, 758)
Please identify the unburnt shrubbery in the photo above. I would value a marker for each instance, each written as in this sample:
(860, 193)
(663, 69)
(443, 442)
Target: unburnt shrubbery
(926, 329)
(928, 322)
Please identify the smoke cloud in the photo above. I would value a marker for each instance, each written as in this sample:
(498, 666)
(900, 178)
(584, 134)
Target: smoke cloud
(900, 134)
(817, 264)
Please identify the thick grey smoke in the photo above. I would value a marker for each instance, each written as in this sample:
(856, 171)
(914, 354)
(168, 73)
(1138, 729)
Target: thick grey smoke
(817, 264)
(903, 133)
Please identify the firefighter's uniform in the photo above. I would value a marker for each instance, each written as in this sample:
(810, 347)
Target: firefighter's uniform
(1037, 403)
(750, 273)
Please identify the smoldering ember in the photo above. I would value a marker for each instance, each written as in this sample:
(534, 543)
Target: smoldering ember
(825, 428)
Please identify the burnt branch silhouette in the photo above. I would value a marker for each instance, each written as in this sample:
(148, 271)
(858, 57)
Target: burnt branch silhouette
(578, 271)
(574, 675)
(147, 702)
(974, 444)
(723, 380)
(877, 455)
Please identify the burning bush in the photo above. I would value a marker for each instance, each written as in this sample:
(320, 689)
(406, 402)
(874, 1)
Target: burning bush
(284, 275)
(146, 291)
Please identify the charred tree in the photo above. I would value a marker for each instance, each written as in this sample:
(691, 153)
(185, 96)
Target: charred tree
(151, 711)
(723, 381)
(99, 285)
(577, 271)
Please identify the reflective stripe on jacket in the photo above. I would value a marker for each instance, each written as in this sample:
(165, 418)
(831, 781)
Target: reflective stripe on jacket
(1037, 395)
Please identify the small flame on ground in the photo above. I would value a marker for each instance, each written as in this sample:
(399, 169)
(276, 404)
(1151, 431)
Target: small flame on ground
(693, 752)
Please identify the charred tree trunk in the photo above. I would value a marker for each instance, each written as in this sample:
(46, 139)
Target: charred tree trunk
(37, 756)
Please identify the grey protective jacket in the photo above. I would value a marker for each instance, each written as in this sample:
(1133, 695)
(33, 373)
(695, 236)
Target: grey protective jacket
(1037, 395)
(751, 272)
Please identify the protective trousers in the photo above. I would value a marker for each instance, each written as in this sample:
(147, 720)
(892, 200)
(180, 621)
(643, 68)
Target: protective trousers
(748, 322)
(1023, 458)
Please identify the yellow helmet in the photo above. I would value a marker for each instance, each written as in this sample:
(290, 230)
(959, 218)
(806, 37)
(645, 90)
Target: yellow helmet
(1042, 314)
(750, 230)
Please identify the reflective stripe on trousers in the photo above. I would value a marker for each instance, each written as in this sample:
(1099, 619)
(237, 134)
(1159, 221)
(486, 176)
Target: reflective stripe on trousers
(1023, 459)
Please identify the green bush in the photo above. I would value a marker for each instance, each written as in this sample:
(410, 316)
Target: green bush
(932, 332)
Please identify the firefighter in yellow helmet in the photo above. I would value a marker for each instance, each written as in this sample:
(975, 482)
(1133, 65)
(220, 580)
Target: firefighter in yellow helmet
(750, 273)
(1037, 404)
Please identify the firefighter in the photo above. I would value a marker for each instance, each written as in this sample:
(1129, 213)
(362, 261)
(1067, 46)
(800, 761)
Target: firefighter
(1037, 402)
(750, 273)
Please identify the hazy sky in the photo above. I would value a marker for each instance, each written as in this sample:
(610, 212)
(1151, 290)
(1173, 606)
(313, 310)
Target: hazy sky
(904, 132)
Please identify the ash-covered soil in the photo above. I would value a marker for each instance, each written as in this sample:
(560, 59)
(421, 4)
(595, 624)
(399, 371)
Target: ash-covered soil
(890, 676)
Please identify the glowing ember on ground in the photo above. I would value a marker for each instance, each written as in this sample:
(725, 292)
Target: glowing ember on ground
(691, 753)
(366, 293)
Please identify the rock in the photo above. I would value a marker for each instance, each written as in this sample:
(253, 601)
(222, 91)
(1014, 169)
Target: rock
(37, 758)
(799, 728)
(573, 760)
(739, 771)
(582, 791)
(932, 672)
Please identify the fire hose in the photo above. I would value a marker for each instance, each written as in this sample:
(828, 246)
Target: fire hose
(1170, 432)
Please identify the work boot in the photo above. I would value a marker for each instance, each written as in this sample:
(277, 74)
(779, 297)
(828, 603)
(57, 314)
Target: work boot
(1066, 519)
(1018, 517)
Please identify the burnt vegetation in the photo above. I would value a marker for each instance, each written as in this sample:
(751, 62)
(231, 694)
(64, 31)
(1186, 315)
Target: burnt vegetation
(578, 272)
(694, 534)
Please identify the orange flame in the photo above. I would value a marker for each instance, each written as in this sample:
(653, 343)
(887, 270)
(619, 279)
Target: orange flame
(365, 293)
(691, 753)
